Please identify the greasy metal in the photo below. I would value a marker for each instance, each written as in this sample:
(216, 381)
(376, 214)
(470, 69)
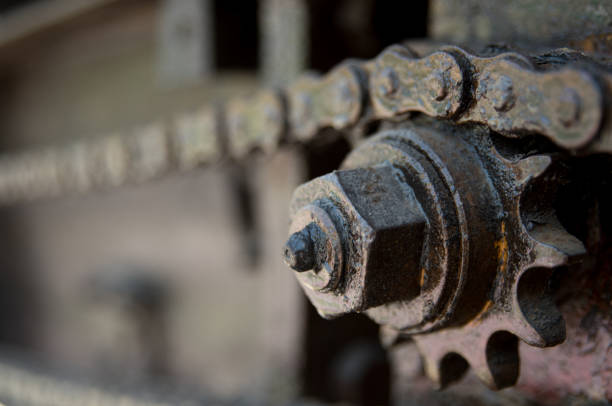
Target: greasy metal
(400, 82)
(560, 94)
(506, 90)
(411, 240)
(300, 252)
(318, 221)
(358, 201)
(469, 283)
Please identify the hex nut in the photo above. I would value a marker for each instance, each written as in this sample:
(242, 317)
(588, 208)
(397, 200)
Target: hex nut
(382, 230)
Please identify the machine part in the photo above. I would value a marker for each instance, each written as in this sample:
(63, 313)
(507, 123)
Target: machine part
(357, 202)
(332, 101)
(423, 228)
(402, 82)
(436, 247)
(191, 140)
(256, 122)
(559, 94)
(315, 244)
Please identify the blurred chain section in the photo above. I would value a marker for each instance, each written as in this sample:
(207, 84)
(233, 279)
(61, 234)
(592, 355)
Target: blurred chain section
(26, 384)
(559, 95)
(26, 387)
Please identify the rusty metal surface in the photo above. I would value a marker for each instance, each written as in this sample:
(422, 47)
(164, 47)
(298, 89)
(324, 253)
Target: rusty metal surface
(581, 365)
(507, 90)
(558, 94)
(575, 372)
(334, 100)
(469, 283)
(402, 82)
(365, 231)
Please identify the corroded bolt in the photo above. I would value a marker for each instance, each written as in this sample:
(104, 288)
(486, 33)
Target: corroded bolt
(360, 235)
(300, 251)
(314, 248)
(388, 82)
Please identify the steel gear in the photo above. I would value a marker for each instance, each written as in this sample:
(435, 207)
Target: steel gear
(437, 246)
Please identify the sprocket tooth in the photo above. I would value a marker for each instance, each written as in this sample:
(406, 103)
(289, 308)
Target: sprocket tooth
(445, 371)
(388, 336)
(493, 358)
(443, 365)
(539, 325)
(452, 367)
(432, 370)
(535, 318)
(531, 167)
(495, 361)
(491, 353)
(553, 246)
(502, 364)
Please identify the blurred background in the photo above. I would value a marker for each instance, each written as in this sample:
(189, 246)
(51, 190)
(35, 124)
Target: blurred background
(176, 285)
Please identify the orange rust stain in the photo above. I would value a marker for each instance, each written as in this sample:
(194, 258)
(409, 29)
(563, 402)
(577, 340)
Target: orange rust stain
(502, 249)
(422, 279)
(595, 43)
(478, 317)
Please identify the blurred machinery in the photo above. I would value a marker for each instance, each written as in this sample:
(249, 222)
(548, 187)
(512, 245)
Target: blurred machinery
(446, 191)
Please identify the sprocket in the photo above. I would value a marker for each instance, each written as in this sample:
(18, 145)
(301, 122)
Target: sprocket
(437, 245)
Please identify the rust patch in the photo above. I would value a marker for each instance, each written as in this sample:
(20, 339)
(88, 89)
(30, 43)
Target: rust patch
(479, 317)
(502, 249)
(596, 43)
(422, 278)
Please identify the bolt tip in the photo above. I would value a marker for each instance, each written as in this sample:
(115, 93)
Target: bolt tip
(288, 257)
(298, 252)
